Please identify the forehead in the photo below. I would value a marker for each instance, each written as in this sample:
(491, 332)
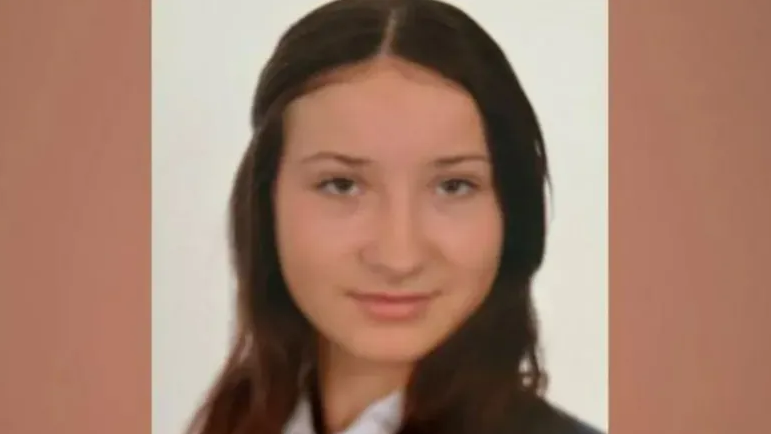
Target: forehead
(385, 108)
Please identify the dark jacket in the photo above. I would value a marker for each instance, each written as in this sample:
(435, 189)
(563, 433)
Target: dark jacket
(552, 420)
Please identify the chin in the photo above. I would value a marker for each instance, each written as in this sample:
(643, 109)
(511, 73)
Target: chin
(391, 349)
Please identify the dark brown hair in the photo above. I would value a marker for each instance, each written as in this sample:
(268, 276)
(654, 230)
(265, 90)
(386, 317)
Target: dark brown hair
(486, 377)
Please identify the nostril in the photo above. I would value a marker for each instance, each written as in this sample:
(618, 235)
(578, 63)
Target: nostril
(397, 273)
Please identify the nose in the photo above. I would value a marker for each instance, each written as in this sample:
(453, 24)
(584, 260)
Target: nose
(397, 252)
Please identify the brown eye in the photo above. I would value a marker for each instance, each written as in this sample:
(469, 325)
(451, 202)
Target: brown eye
(457, 187)
(339, 186)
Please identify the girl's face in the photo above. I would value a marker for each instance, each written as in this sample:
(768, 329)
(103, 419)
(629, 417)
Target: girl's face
(388, 227)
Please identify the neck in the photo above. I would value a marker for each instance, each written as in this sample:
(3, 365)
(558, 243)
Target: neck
(349, 385)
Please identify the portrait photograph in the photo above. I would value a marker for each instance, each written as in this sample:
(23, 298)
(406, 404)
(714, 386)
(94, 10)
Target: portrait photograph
(379, 217)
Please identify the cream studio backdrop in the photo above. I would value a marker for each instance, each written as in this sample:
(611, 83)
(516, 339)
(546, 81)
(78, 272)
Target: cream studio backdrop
(206, 56)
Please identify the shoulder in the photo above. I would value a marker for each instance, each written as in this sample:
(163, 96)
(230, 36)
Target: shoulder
(550, 419)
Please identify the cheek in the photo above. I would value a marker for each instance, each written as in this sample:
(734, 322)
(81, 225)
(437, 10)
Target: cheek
(470, 243)
(306, 219)
(312, 238)
(471, 239)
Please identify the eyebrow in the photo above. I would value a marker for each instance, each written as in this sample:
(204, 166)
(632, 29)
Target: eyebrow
(354, 161)
(457, 159)
(348, 160)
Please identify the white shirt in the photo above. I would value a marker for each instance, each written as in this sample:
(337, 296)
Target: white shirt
(382, 417)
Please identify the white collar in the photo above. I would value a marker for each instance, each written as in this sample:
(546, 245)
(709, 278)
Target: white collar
(382, 417)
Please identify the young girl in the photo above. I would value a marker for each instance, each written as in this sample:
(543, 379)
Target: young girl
(387, 220)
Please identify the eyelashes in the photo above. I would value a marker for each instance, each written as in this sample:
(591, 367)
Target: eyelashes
(346, 186)
(458, 187)
(339, 186)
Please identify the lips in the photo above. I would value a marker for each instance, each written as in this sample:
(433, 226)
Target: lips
(393, 306)
(391, 298)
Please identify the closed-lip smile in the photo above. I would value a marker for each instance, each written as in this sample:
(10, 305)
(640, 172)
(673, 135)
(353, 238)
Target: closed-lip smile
(393, 306)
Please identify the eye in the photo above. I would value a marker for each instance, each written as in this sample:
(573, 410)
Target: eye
(457, 187)
(339, 186)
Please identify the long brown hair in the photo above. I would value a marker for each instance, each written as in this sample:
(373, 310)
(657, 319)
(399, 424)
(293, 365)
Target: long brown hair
(487, 376)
